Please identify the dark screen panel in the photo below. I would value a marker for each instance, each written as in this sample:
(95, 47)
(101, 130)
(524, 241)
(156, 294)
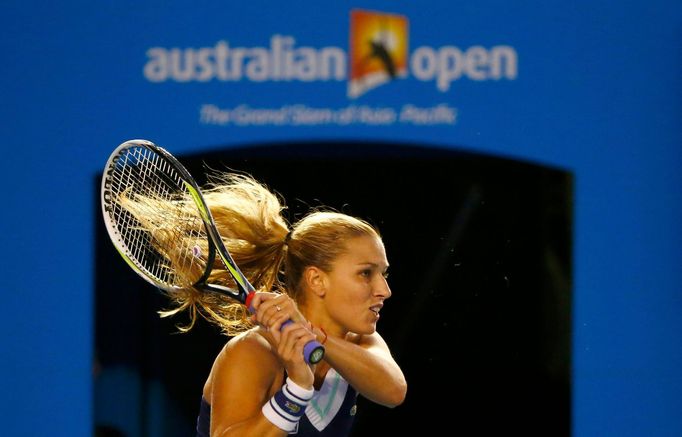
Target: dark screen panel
(480, 253)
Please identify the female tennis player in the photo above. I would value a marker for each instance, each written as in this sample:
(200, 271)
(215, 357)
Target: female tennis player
(328, 276)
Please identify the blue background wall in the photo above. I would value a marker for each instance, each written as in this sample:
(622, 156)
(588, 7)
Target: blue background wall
(598, 92)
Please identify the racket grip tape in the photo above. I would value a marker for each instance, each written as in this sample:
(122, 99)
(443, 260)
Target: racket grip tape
(313, 351)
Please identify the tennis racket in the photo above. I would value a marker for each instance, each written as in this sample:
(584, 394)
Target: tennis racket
(174, 245)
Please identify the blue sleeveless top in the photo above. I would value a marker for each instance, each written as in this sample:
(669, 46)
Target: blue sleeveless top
(330, 412)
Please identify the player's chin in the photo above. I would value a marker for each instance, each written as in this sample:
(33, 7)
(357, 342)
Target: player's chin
(365, 330)
(369, 325)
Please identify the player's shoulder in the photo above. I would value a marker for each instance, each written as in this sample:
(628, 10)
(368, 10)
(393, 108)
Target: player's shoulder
(249, 348)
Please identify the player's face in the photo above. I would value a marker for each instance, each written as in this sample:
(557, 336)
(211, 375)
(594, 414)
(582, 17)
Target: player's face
(356, 285)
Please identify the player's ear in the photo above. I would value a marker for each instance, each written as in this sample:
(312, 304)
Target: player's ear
(316, 280)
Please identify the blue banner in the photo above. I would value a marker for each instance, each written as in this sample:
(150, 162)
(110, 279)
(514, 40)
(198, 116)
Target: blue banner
(589, 89)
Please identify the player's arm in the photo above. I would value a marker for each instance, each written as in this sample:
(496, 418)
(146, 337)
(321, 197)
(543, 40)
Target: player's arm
(365, 361)
(248, 396)
(242, 381)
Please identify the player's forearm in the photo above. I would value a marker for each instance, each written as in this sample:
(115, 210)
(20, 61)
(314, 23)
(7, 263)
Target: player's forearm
(257, 426)
(279, 415)
(376, 376)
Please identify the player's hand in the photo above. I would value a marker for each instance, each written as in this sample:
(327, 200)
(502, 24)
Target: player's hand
(290, 342)
(272, 312)
(273, 309)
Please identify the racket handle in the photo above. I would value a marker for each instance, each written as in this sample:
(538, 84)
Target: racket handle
(313, 351)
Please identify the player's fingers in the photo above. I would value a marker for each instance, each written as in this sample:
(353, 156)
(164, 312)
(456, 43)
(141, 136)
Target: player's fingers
(257, 299)
(279, 311)
(266, 312)
(291, 335)
(274, 321)
(279, 320)
(304, 338)
(267, 302)
(298, 338)
(258, 306)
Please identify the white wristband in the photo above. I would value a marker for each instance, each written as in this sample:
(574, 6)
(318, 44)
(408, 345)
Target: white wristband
(287, 406)
(304, 394)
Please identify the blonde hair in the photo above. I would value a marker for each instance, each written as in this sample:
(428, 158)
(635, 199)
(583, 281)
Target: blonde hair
(249, 218)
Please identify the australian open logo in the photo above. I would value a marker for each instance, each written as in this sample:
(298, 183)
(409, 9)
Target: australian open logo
(378, 54)
(378, 50)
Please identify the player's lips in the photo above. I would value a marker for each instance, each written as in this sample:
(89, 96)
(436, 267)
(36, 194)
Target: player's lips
(376, 308)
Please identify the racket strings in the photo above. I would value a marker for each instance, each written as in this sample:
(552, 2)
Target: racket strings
(161, 231)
